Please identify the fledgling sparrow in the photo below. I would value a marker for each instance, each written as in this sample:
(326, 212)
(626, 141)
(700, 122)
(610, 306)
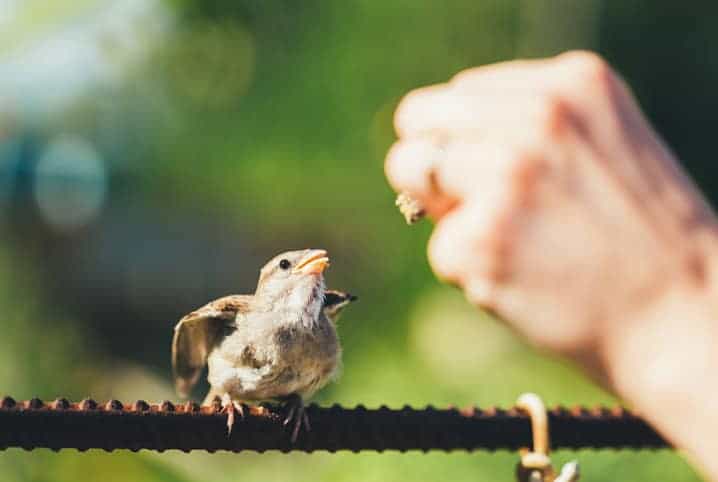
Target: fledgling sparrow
(278, 344)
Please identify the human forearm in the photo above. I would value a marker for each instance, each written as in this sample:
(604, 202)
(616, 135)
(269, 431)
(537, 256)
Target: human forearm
(663, 360)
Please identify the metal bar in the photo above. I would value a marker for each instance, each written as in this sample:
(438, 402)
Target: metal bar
(140, 425)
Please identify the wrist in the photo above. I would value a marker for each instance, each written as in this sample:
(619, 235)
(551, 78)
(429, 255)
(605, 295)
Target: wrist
(676, 328)
(663, 361)
(665, 349)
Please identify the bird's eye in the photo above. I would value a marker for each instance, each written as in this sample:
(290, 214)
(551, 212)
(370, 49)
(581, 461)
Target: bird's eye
(284, 264)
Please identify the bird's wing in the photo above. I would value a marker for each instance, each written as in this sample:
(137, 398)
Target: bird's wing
(197, 333)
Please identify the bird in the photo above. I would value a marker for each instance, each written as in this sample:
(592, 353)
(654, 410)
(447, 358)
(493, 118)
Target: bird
(279, 343)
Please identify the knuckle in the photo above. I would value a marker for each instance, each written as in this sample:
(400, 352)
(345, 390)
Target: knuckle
(408, 164)
(481, 291)
(397, 154)
(465, 76)
(443, 253)
(584, 61)
(527, 174)
(589, 71)
(414, 106)
(402, 114)
(497, 247)
(393, 164)
(524, 158)
(472, 245)
(554, 115)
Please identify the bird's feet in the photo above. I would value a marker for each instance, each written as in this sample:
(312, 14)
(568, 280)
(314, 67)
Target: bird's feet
(230, 407)
(296, 415)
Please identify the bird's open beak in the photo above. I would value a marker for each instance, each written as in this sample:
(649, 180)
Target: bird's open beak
(315, 262)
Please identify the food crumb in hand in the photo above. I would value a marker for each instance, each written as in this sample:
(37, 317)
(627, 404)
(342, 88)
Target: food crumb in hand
(411, 208)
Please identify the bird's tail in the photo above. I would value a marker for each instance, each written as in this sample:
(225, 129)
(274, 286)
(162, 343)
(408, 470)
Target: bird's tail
(334, 303)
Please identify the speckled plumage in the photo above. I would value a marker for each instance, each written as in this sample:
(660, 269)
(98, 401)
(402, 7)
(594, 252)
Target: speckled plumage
(271, 357)
(279, 342)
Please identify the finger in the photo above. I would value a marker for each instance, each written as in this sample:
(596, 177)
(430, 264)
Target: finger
(413, 112)
(450, 246)
(466, 245)
(478, 94)
(562, 72)
(459, 169)
(445, 113)
(409, 164)
(410, 167)
(523, 75)
(476, 168)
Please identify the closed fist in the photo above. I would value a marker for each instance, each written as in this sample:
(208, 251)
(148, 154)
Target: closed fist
(556, 204)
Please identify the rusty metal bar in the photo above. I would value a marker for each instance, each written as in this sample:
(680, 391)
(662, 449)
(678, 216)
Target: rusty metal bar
(140, 425)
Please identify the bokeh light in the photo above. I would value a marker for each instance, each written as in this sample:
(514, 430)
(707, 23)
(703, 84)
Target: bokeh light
(70, 183)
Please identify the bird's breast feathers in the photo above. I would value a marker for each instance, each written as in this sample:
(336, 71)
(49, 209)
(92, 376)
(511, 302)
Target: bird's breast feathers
(268, 360)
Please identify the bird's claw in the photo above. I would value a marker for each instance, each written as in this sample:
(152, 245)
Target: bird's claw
(230, 407)
(296, 416)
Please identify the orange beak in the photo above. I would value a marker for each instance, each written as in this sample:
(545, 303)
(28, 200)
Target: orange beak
(315, 262)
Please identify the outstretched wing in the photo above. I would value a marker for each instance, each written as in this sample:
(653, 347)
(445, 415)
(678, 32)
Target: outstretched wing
(197, 333)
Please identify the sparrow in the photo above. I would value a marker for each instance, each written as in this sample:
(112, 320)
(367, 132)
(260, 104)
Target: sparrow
(278, 344)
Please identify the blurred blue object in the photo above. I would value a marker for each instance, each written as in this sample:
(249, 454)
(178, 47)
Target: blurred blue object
(10, 150)
(70, 183)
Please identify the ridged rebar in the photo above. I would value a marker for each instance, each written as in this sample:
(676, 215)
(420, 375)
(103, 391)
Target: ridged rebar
(140, 425)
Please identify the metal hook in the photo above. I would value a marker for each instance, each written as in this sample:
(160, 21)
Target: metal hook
(535, 465)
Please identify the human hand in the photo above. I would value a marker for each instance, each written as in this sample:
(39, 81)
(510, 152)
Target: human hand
(557, 206)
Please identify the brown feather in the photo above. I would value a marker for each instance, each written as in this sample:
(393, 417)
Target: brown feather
(197, 333)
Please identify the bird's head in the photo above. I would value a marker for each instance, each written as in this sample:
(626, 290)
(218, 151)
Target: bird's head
(294, 280)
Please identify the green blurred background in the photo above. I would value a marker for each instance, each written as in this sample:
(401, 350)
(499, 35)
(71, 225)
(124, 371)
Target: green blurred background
(154, 153)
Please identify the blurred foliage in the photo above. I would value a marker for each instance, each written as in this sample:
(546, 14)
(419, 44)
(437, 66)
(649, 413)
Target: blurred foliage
(266, 124)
